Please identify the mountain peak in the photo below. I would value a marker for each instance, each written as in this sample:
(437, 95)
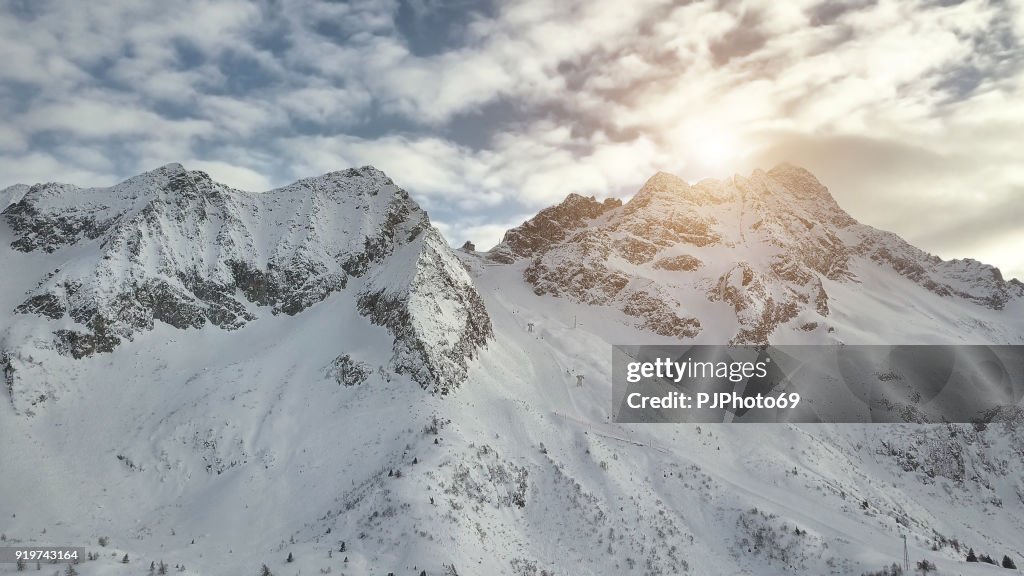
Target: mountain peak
(663, 182)
(798, 180)
(172, 168)
(550, 226)
(772, 247)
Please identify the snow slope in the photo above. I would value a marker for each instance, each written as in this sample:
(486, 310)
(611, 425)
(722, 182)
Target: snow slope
(226, 449)
(12, 194)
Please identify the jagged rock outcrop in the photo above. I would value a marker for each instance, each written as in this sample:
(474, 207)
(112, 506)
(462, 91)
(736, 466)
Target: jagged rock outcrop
(348, 372)
(7, 370)
(550, 226)
(436, 314)
(175, 247)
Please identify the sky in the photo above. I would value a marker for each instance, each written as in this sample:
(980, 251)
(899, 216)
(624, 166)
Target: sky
(912, 113)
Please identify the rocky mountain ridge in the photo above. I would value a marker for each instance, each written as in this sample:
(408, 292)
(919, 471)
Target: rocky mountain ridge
(176, 247)
(768, 246)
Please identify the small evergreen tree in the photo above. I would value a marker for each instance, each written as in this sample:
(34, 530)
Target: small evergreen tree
(125, 559)
(971, 557)
(290, 558)
(1008, 563)
(162, 568)
(925, 566)
(265, 571)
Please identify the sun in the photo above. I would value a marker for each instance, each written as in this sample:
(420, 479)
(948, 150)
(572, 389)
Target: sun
(715, 150)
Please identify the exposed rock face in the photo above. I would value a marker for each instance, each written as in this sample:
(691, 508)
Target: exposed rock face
(684, 263)
(580, 270)
(550, 226)
(174, 246)
(436, 314)
(7, 370)
(967, 279)
(348, 372)
(767, 246)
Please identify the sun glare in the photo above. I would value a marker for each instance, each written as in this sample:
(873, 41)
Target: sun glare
(715, 150)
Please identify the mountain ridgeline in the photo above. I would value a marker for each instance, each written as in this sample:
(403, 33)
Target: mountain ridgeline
(175, 247)
(771, 247)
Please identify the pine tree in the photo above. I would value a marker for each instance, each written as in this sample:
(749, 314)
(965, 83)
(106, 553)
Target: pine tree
(1008, 563)
(290, 558)
(265, 571)
(125, 559)
(162, 568)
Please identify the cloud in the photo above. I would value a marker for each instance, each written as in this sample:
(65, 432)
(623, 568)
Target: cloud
(902, 108)
(98, 118)
(235, 176)
(27, 169)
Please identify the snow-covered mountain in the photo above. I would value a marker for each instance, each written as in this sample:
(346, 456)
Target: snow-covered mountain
(173, 246)
(220, 379)
(753, 260)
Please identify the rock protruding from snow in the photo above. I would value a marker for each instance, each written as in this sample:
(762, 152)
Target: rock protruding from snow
(766, 246)
(433, 309)
(550, 226)
(176, 247)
